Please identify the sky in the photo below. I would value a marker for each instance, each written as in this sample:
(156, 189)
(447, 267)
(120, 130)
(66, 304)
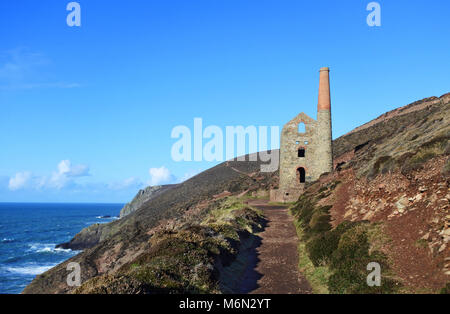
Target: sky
(87, 113)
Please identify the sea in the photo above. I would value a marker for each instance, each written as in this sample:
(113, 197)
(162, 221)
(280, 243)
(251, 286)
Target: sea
(29, 233)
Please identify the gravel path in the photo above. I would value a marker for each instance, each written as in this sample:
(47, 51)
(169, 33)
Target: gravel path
(277, 254)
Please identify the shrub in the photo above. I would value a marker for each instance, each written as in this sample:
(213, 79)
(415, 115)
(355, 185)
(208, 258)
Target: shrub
(413, 161)
(320, 220)
(383, 165)
(349, 262)
(303, 210)
(352, 248)
(321, 248)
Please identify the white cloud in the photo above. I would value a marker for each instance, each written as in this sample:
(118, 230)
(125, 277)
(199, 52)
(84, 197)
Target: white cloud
(64, 176)
(65, 179)
(160, 175)
(65, 173)
(19, 181)
(65, 167)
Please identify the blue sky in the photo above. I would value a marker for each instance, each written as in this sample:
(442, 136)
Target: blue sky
(87, 112)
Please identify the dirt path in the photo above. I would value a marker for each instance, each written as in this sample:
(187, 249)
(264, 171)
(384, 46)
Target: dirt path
(277, 263)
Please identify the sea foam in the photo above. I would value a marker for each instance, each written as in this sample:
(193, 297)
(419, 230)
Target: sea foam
(30, 269)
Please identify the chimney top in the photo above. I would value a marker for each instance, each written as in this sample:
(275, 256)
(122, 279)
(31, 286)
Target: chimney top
(324, 102)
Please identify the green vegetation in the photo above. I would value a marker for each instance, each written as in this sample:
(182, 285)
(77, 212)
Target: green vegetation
(422, 243)
(383, 165)
(317, 275)
(446, 289)
(335, 259)
(412, 160)
(185, 260)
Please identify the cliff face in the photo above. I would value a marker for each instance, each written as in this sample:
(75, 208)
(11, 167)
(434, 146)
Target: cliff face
(393, 171)
(142, 197)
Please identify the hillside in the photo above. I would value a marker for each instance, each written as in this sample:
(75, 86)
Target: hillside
(391, 173)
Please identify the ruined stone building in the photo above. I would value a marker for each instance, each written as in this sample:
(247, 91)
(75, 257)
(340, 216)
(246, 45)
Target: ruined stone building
(305, 148)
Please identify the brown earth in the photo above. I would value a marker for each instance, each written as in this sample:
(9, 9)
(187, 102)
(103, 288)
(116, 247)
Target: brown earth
(277, 254)
(413, 213)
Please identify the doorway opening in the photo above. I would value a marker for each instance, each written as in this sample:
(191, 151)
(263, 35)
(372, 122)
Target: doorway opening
(301, 174)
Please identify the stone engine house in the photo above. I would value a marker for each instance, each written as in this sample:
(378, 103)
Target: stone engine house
(306, 147)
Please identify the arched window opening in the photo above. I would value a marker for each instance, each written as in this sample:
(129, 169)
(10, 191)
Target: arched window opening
(301, 174)
(301, 127)
(301, 152)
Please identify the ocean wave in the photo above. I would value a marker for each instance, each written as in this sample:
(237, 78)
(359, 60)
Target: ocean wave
(29, 269)
(47, 248)
(107, 217)
(7, 240)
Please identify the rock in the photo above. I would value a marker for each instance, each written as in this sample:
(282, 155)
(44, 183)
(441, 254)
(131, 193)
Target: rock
(369, 215)
(401, 203)
(423, 189)
(442, 248)
(86, 238)
(142, 197)
(426, 236)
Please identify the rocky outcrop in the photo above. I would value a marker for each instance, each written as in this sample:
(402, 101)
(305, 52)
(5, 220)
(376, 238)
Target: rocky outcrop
(87, 237)
(142, 197)
(92, 235)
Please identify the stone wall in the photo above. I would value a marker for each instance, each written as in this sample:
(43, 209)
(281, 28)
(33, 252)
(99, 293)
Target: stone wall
(290, 187)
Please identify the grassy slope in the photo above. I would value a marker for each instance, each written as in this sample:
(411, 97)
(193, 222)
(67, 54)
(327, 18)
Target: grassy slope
(187, 258)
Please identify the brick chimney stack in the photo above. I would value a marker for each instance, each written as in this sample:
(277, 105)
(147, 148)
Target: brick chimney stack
(324, 136)
(324, 90)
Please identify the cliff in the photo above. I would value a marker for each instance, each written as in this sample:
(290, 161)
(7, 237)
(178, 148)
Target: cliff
(143, 196)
